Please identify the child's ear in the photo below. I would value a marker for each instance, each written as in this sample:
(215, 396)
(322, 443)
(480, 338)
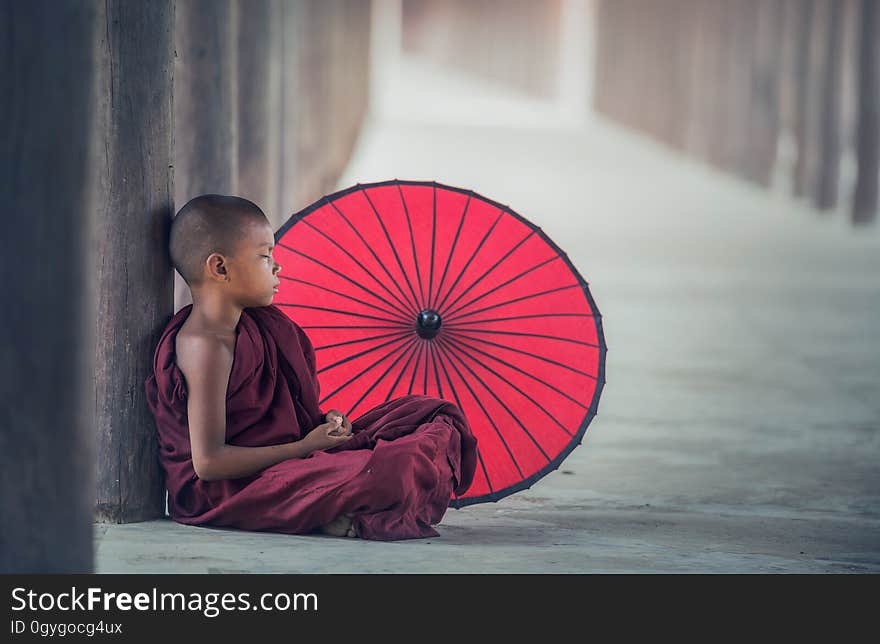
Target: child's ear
(217, 264)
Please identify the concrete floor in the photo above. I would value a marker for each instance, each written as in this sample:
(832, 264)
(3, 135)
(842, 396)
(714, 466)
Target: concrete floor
(739, 429)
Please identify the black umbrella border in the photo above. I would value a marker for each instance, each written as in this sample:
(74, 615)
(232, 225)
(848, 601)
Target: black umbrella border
(593, 410)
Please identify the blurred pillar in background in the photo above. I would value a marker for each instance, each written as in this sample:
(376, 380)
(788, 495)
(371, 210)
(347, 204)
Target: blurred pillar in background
(259, 103)
(828, 171)
(766, 86)
(47, 439)
(325, 91)
(132, 196)
(868, 136)
(205, 106)
(818, 157)
(510, 41)
(764, 89)
(269, 98)
(801, 17)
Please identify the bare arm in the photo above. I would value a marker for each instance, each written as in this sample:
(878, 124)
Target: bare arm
(206, 364)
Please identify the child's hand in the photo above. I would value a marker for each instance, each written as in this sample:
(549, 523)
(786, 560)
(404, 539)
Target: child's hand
(325, 436)
(336, 416)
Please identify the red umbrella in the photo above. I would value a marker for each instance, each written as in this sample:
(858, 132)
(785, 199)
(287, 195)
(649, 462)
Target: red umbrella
(414, 287)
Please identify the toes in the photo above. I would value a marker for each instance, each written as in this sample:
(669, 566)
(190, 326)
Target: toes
(338, 527)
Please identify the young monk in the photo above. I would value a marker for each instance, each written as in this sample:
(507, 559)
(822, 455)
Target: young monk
(234, 392)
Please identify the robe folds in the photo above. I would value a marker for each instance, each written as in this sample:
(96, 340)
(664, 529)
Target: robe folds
(395, 476)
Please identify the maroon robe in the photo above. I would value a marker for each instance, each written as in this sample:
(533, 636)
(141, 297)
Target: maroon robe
(396, 475)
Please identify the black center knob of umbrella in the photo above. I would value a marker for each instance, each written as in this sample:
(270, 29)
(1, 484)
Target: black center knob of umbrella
(428, 323)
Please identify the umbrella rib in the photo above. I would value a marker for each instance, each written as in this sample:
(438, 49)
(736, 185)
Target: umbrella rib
(469, 262)
(488, 415)
(355, 377)
(379, 379)
(433, 245)
(333, 270)
(502, 285)
(458, 402)
(427, 354)
(530, 335)
(375, 337)
(462, 347)
(452, 249)
(412, 240)
(350, 326)
(415, 368)
(360, 264)
(527, 353)
(526, 373)
(436, 372)
(520, 317)
(518, 421)
(341, 294)
(364, 352)
(491, 268)
(343, 312)
(393, 250)
(516, 299)
(376, 257)
(414, 350)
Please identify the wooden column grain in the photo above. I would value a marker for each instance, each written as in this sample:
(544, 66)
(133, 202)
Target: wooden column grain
(133, 191)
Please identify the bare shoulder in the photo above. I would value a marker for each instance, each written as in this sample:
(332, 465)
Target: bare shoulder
(204, 357)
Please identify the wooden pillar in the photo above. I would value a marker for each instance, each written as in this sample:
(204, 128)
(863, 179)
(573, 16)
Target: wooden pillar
(259, 104)
(806, 91)
(868, 136)
(47, 439)
(291, 50)
(312, 125)
(603, 85)
(766, 77)
(205, 106)
(325, 67)
(724, 23)
(828, 157)
(678, 113)
(133, 208)
(742, 54)
(702, 95)
(790, 110)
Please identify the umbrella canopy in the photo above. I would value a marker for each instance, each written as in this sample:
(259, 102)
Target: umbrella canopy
(414, 287)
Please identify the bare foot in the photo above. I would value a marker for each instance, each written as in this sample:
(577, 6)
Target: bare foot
(341, 526)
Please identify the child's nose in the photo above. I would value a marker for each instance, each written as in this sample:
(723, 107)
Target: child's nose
(277, 268)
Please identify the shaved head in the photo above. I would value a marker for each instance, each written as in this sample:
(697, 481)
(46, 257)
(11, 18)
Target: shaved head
(209, 224)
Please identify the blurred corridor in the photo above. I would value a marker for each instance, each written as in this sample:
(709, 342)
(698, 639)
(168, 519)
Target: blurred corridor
(743, 358)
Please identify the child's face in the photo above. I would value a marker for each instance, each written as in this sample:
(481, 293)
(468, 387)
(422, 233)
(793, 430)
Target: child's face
(252, 270)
